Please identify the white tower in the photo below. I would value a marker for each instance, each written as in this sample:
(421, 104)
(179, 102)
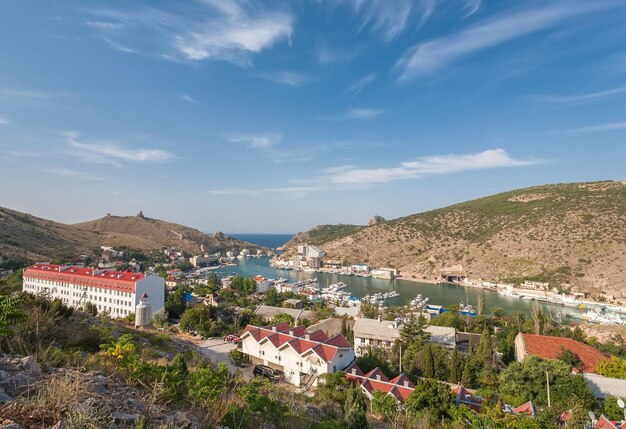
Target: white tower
(143, 312)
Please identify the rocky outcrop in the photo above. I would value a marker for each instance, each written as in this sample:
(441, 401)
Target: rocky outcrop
(376, 220)
(22, 405)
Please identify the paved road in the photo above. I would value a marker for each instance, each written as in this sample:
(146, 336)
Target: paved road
(217, 350)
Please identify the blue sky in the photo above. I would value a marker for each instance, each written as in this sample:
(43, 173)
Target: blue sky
(274, 117)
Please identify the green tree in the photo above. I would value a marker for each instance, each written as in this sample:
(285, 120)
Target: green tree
(615, 367)
(570, 358)
(355, 409)
(384, 405)
(175, 303)
(10, 314)
(160, 318)
(271, 297)
(483, 351)
(428, 363)
(455, 367)
(611, 410)
(283, 317)
(333, 387)
(200, 319)
(431, 396)
(525, 381)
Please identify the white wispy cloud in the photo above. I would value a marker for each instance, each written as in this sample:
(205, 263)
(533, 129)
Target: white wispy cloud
(286, 77)
(390, 18)
(354, 113)
(358, 86)
(362, 113)
(427, 57)
(188, 98)
(66, 172)
(611, 126)
(294, 191)
(257, 141)
(471, 7)
(110, 152)
(582, 98)
(422, 167)
(4, 121)
(196, 31)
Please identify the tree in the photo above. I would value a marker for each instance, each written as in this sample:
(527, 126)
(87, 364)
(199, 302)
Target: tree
(199, 319)
(271, 297)
(455, 367)
(480, 307)
(497, 311)
(283, 317)
(333, 387)
(384, 405)
(427, 362)
(175, 303)
(160, 318)
(413, 332)
(10, 314)
(429, 395)
(355, 409)
(611, 410)
(369, 311)
(570, 358)
(525, 381)
(91, 308)
(483, 351)
(615, 367)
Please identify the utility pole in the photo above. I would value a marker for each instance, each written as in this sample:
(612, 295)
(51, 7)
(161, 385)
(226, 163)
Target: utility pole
(400, 358)
(548, 384)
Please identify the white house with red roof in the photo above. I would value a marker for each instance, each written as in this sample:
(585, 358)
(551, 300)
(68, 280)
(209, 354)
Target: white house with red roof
(301, 355)
(114, 292)
(401, 387)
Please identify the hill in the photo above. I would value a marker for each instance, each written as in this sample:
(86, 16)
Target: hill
(32, 237)
(35, 238)
(563, 234)
(140, 232)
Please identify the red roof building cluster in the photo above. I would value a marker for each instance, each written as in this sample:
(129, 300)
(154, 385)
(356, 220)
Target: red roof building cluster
(401, 387)
(282, 336)
(546, 347)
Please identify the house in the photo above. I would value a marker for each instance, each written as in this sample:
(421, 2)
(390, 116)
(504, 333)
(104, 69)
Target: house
(605, 423)
(293, 303)
(529, 409)
(268, 313)
(214, 300)
(302, 356)
(401, 387)
(464, 339)
(546, 347)
(462, 396)
(384, 333)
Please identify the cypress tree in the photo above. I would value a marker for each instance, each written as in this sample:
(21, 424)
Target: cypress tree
(455, 370)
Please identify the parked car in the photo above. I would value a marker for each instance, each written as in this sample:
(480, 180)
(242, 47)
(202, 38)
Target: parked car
(232, 338)
(271, 374)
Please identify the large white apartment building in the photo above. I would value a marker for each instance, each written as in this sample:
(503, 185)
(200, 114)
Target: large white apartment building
(114, 292)
(301, 355)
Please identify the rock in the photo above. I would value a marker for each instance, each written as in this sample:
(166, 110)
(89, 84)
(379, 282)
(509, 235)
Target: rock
(180, 420)
(19, 381)
(9, 424)
(30, 365)
(60, 425)
(376, 220)
(4, 398)
(125, 418)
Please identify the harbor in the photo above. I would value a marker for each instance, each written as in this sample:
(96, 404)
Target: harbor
(405, 292)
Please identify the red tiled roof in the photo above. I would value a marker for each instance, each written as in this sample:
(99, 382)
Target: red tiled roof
(547, 347)
(84, 276)
(318, 336)
(375, 372)
(528, 408)
(401, 379)
(604, 423)
(282, 335)
(338, 341)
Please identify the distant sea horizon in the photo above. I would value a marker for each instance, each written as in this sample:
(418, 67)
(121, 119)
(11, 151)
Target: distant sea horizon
(266, 240)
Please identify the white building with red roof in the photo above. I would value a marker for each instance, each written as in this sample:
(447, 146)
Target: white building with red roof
(301, 355)
(114, 292)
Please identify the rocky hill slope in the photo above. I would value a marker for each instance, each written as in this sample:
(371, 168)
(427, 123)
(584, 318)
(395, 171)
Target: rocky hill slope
(145, 233)
(35, 238)
(31, 237)
(563, 234)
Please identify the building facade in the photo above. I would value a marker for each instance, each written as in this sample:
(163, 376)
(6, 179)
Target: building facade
(115, 292)
(302, 356)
